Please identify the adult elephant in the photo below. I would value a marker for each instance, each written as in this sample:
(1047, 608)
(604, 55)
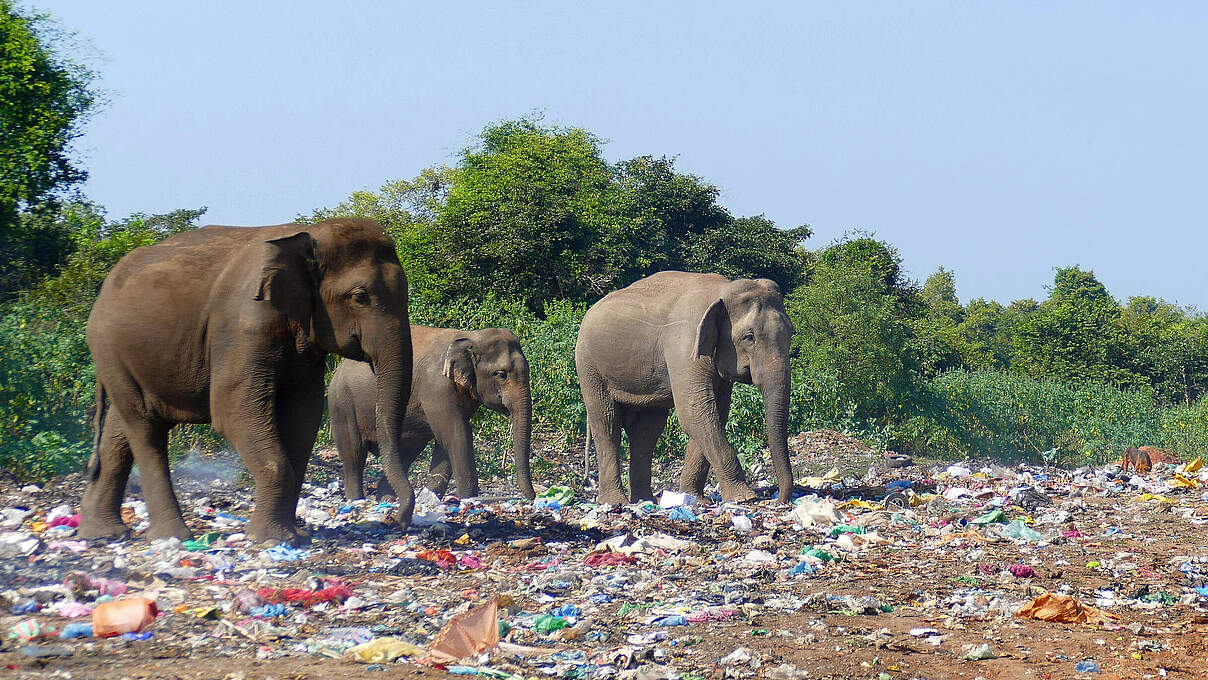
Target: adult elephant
(455, 372)
(232, 326)
(682, 339)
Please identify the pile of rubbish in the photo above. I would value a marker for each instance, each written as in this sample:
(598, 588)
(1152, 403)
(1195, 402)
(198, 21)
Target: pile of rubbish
(898, 564)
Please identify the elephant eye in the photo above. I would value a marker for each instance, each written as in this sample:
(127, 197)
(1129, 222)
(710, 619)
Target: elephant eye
(502, 375)
(360, 296)
(749, 336)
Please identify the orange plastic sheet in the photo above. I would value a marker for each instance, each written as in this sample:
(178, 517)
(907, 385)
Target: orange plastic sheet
(1063, 609)
(467, 634)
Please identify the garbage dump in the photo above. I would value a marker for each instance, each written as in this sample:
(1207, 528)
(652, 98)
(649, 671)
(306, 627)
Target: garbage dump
(878, 569)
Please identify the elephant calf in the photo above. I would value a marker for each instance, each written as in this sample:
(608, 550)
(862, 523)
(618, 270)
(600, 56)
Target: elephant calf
(681, 339)
(454, 373)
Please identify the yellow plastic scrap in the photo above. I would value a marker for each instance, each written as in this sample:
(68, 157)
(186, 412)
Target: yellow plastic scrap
(921, 499)
(828, 478)
(1194, 465)
(859, 503)
(384, 650)
(1184, 482)
(1153, 497)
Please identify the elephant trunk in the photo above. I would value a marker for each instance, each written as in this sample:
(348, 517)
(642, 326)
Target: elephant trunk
(775, 390)
(520, 410)
(393, 374)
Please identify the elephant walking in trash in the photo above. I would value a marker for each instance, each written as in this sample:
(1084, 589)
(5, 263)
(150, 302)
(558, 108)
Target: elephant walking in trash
(232, 326)
(455, 372)
(682, 339)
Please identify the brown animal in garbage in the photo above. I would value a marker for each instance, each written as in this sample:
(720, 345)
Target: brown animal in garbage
(1157, 455)
(232, 326)
(1137, 459)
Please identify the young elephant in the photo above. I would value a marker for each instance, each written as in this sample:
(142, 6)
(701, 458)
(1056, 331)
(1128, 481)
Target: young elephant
(454, 372)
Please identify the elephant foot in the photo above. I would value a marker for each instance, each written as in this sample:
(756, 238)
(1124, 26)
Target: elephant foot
(640, 496)
(738, 493)
(101, 527)
(272, 532)
(613, 497)
(169, 530)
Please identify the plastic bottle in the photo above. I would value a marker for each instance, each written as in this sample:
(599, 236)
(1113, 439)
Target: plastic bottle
(123, 616)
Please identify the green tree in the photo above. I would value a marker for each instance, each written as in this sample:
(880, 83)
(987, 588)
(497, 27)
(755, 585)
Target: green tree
(1077, 335)
(1170, 348)
(851, 323)
(47, 381)
(45, 98)
(750, 247)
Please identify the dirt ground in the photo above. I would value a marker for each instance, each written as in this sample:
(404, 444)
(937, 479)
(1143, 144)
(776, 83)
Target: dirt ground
(937, 587)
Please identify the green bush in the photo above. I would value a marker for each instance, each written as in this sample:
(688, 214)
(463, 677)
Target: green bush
(47, 384)
(1185, 429)
(1010, 417)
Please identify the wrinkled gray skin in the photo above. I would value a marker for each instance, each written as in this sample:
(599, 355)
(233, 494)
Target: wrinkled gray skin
(232, 326)
(681, 339)
(455, 373)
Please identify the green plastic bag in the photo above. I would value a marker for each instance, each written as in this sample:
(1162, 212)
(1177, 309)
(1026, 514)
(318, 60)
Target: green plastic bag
(992, 517)
(203, 542)
(846, 529)
(548, 624)
(819, 553)
(557, 494)
(1018, 529)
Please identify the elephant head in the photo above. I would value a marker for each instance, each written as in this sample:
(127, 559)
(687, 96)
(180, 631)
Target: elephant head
(488, 366)
(344, 292)
(747, 332)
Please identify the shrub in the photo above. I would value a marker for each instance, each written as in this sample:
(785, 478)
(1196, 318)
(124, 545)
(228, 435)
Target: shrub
(1010, 417)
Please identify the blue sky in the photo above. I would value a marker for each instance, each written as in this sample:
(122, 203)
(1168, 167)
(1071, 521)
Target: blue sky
(997, 139)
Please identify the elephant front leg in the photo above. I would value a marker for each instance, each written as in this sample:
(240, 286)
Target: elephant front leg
(101, 508)
(455, 440)
(299, 413)
(441, 470)
(696, 465)
(248, 419)
(698, 405)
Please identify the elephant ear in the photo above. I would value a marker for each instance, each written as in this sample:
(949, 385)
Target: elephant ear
(709, 330)
(287, 276)
(459, 366)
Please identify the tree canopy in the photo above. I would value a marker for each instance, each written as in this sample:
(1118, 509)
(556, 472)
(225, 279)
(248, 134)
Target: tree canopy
(45, 98)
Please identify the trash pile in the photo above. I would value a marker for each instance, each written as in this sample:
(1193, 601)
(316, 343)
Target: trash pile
(901, 572)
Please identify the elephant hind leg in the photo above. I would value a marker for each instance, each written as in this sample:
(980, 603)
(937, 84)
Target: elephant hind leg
(644, 427)
(101, 508)
(603, 420)
(353, 452)
(148, 441)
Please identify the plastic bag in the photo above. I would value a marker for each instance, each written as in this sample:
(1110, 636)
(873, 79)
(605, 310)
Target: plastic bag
(1063, 609)
(468, 633)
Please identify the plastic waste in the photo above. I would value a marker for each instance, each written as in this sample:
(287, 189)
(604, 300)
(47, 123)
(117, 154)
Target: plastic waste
(468, 633)
(130, 615)
(1063, 609)
(76, 630)
(1087, 666)
(980, 652)
(1019, 530)
(384, 650)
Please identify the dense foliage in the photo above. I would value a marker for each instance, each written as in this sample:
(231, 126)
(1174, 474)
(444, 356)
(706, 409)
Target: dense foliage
(44, 99)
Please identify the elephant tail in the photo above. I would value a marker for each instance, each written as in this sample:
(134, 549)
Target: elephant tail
(98, 424)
